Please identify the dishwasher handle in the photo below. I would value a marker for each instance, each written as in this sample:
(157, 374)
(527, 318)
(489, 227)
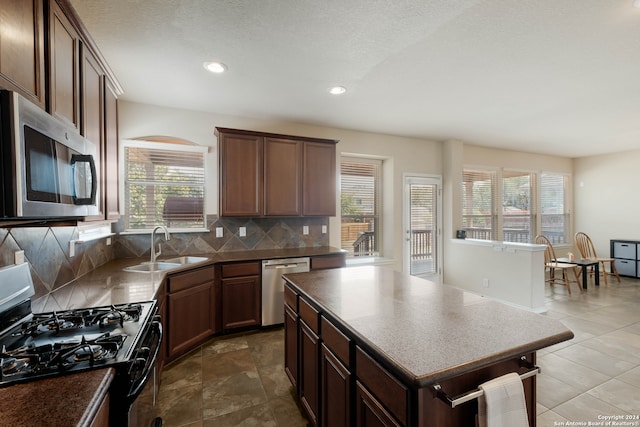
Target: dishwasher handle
(282, 266)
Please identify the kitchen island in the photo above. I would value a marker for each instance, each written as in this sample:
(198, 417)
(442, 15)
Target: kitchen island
(370, 346)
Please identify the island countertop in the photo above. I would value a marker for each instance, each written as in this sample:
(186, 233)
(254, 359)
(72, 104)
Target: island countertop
(424, 331)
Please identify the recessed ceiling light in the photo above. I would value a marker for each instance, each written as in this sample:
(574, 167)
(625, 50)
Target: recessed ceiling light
(215, 67)
(337, 90)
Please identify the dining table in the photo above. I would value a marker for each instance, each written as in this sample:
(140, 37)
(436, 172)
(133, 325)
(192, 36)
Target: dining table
(584, 264)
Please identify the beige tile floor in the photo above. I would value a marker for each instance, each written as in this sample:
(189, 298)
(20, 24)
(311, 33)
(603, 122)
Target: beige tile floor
(238, 380)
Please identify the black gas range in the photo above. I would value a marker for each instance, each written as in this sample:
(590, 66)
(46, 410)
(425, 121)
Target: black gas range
(33, 346)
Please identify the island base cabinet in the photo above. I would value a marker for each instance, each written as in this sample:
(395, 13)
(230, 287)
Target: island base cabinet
(309, 364)
(435, 412)
(335, 385)
(370, 412)
(291, 346)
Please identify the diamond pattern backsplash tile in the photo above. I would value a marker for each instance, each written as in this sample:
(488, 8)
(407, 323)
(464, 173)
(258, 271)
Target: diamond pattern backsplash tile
(46, 249)
(261, 233)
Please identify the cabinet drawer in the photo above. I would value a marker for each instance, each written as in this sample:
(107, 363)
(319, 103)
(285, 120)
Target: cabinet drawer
(189, 279)
(624, 250)
(309, 314)
(335, 340)
(625, 267)
(388, 390)
(240, 269)
(331, 261)
(291, 298)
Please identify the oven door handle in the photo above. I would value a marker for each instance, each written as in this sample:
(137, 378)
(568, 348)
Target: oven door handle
(138, 385)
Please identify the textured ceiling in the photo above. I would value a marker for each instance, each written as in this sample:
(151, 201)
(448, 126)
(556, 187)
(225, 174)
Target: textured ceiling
(547, 76)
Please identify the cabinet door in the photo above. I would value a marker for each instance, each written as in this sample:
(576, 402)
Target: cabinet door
(309, 371)
(101, 418)
(22, 61)
(241, 302)
(110, 158)
(335, 396)
(92, 119)
(291, 345)
(282, 177)
(64, 63)
(241, 180)
(319, 179)
(191, 318)
(369, 412)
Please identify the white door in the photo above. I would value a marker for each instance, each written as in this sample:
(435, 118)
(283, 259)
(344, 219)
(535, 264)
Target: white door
(422, 226)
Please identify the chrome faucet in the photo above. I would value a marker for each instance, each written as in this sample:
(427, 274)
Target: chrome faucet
(167, 237)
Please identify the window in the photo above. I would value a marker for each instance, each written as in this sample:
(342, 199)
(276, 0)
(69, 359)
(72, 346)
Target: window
(163, 185)
(518, 215)
(359, 201)
(531, 204)
(478, 204)
(554, 211)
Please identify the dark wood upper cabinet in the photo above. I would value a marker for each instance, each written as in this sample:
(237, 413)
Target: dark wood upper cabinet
(64, 75)
(92, 119)
(240, 168)
(263, 174)
(110, 157)
(22, 47)
(319, 179)
(282, 177)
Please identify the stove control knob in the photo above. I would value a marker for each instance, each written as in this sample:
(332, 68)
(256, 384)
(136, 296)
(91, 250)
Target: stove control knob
(144, 352)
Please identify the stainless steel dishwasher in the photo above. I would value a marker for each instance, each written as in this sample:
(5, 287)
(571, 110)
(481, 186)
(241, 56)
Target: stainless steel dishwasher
(273, 286)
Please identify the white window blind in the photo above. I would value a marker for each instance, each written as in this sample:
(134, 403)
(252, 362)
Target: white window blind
(163, 185)
(509, 211)
(479, 201)
(359, 199)
(554, 211)
(518, 208)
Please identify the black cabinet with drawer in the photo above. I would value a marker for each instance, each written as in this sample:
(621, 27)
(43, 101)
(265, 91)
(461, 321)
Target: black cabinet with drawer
(627, 257)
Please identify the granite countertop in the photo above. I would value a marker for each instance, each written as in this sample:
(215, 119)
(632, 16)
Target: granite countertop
(426, 332)
(109, 284)
(68, 400)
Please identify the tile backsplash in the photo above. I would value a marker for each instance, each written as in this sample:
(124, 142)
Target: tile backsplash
(46, 249)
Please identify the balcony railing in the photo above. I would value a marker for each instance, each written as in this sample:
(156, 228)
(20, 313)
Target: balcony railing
(421, 244)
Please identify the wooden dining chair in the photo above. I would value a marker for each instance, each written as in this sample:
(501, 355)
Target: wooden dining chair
(551, 264)
(588, 251)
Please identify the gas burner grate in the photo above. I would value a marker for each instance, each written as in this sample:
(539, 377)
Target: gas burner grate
(75, 319)
(60, 356)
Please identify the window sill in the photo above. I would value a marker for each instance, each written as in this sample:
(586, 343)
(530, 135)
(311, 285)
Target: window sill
(358, 261)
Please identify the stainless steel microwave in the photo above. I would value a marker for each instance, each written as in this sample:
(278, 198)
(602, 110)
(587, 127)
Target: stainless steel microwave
(48, 170)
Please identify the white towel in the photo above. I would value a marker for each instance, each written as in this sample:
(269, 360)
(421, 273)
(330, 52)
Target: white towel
(503, 403)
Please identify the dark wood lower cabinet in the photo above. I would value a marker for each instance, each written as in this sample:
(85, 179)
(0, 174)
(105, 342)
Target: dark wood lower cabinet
(241, 302)
(335, 384)
(241, 290)
(369, 411)
(309, 373)
(342, 383)
(191, 312)
(291, 345)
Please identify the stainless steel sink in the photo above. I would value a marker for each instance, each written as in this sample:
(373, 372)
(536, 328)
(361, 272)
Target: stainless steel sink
(150, 267)
(186, 260)
(165, 264)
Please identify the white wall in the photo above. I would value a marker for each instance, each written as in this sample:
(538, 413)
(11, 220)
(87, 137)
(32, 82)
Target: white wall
(607, 199)
(401, 155)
